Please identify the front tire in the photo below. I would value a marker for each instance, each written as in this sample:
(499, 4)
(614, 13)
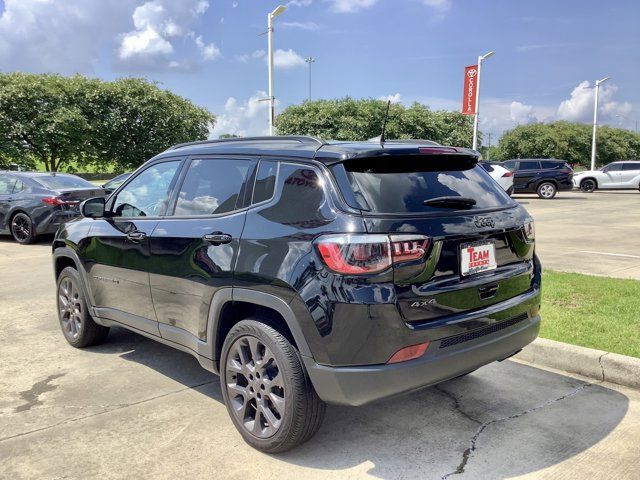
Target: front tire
(78, 328)
(588, 185)
(22, 229)
(266, 389)
(547, 190)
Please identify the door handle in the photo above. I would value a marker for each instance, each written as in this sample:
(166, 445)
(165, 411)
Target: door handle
(136, 236)
(217, 238)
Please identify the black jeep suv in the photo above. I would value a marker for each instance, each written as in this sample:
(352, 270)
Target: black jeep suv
(304, 271)
(539, 175)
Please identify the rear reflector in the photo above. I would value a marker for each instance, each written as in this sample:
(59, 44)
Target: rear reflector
(409, 353)
(364, 254)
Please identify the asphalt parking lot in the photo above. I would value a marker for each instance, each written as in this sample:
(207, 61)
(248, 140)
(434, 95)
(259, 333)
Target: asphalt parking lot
(133, 408)
(594, 233)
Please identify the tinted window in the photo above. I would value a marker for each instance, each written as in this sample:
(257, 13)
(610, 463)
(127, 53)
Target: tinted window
(614, 167)
(18, 187)
(211, 187)
(404, 185)
(60, 182)
(486, 166)
(148, 193)
(511, 165)
(631, 166)
(6, 185)
(551, 165)
(265, 181)
(529, 166)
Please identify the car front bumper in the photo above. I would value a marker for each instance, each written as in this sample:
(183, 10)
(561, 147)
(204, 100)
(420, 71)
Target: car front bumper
(363, 384)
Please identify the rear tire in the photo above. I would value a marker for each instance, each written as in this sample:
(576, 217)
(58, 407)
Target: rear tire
(22, 229)
(78, 328)
(547, 190)
(266, 389)
(588, 185)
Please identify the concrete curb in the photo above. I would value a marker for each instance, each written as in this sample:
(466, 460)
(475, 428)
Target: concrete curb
(596, 364)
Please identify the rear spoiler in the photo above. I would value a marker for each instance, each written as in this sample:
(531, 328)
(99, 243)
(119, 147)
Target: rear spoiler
(434, 154)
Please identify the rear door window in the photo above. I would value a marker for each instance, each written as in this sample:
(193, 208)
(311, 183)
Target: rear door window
(551, 165)
(529, 166)
(7, 184)
(403, 185)
(212, 187)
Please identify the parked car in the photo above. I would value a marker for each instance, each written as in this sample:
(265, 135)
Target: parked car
(306, 272)
(503, 176)
(542, 176)
(615, 176)
(115, 182)
(35, 203)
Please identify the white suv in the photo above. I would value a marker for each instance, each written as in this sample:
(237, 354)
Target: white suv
(616, 175)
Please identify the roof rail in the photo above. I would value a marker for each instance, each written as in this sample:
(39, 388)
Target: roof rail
(284, 138)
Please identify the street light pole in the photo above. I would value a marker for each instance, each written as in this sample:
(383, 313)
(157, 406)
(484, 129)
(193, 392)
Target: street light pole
(481, 58)
(310, 60)
(595, 122)
(272, 101)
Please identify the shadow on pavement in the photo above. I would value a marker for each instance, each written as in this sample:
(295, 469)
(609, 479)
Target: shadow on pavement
(506, 419)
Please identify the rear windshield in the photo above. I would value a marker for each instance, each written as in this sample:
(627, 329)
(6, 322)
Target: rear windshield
(60, 182)
(401, 185)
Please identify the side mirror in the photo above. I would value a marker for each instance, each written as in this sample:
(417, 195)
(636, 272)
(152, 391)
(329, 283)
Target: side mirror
(93, 207)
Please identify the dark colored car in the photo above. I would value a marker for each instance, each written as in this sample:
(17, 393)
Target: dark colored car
(35, 203)
(542, 176)
(115, 182)
(306, 272)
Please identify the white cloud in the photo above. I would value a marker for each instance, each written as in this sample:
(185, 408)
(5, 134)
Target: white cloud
(521, 113)
(301, 25)
(579, 106)
(440, 5)
(234, 4)
(299, 3)
(395, 98)
(350, 6)
(63, 37)
(245, 57)
(157, 25)
(247, 118)
(287, 59)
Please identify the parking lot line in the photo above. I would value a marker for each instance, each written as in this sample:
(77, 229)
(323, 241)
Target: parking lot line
(611, 254)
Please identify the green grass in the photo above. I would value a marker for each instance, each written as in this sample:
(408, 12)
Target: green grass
(594, 312)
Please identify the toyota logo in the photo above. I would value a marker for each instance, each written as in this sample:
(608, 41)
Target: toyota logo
(484, 222)
(472, 73)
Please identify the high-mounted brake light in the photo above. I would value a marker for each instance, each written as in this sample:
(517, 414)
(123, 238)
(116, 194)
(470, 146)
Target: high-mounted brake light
(436, 150)
(350, 254)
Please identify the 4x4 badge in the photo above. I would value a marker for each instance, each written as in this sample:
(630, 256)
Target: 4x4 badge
(484, 222)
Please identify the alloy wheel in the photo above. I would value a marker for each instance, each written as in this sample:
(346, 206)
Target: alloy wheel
(21, 228)
(70, 306)
(547, 191)
(255, 387)
(588, 186)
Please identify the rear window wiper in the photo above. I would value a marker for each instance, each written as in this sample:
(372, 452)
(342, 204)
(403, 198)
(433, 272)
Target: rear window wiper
(450, 202)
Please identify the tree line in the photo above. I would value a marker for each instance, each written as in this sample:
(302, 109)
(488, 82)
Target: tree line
(78, 122)
(58, 121)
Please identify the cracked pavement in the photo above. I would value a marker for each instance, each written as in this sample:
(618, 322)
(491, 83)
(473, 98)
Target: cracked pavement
(133, 408)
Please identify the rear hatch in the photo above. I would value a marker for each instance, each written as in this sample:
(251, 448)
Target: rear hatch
(477, 241)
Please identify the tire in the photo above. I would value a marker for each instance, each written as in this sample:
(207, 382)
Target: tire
(78, 328)
(546, 190)
(22, 229)
(256, 359)
(588, 185)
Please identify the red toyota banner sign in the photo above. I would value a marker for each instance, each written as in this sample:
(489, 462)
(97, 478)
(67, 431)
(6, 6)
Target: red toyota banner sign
(470, 90)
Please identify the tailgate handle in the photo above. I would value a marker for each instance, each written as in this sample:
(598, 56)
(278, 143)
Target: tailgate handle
(488, 291)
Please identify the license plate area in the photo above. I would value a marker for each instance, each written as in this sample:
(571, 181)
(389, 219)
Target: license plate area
(477, 257)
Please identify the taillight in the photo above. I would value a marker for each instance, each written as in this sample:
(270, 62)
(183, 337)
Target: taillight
(530, 230)
(508, 174)
(350, 254)
(55, 201)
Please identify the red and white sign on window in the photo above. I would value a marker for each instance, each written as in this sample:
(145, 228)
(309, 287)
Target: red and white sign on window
(470, 90)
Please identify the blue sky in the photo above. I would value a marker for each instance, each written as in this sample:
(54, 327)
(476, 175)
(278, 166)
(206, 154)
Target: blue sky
(548, 53)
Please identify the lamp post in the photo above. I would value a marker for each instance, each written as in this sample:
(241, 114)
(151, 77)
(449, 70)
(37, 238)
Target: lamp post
(475, 120)
(310, 60)
(595, 122)
(272, 101)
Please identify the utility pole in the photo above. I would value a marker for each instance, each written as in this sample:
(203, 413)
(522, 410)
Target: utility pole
(310, 60)
(272, 100)
(489, 147)
(481, 58)
(595, 122)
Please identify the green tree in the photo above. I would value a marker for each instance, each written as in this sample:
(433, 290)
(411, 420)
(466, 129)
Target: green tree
(58, 120)
(567, 141)
(352, 119)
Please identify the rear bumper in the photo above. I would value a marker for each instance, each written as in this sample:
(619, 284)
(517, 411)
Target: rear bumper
(364, 384)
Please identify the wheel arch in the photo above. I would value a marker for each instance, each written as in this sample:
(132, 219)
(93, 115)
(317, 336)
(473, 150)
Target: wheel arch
(589, 178)
(548, 180)
(231, 305)
(65, 257)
